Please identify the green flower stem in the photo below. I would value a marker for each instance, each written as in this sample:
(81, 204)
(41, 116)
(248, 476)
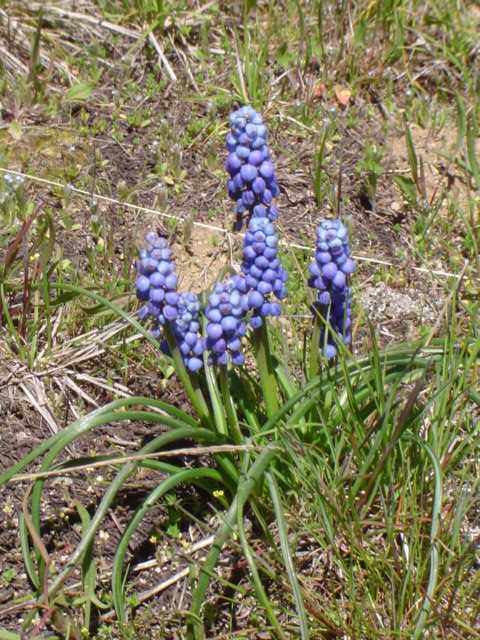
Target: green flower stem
(318, 325)
(189, 382)
(229, 405)
(265, 368)
(215, 399)
(315, 344)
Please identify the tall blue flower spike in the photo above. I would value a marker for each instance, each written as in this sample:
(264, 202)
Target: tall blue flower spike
(330, 276)
(252, 183)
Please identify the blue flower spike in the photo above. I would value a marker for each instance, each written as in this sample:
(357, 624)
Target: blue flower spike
(156, 286)
(264, 274)
(227, 305)
(252, 183)
(330, 276)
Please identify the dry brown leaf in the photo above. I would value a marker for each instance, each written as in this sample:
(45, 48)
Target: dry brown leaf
(319, 91)
(343, 95)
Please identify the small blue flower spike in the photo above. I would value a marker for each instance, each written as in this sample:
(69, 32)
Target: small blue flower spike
(157, 287)
(330, 276)
(227, 305)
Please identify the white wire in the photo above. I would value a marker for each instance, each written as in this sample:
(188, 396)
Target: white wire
(202, 225)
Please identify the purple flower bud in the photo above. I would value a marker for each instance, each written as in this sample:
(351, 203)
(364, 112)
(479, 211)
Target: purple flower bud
(238, 182)
(238, 358)
(255, 158)
(258, 186)
(258, 144)
(243, 152)
(194, 364)
(219, 345)
(214, 331)
(314, 269)
(349, 266)
(329, 270)
(229, 324)
(265, 288)
(248, 172)
(255, 299)
(266, 169)
(339, 280)
(233, 164)
(248, 198)
(171, 298)
(143, 283)
(157, 294)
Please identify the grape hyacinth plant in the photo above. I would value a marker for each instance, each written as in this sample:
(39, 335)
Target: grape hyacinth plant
(240, 413)
(330, 276)
(252, 183)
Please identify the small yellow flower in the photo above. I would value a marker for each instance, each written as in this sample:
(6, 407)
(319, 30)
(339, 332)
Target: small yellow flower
(219, 493)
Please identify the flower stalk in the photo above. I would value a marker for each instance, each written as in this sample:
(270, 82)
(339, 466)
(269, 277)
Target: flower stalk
(265, 368)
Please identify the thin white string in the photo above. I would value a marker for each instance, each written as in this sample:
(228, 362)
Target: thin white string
(202, 225)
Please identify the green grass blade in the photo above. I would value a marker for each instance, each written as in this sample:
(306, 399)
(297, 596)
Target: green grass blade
(257, 582)
(93, 419)
(25, 547)
(412, 158)
(6, 635)
(434, 553)
(252, 477)
(88, 566)
(287, 556)
(472, 154)
(461, 122)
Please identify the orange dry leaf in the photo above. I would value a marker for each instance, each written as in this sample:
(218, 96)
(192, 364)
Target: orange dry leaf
(343, 95)
(319, 91)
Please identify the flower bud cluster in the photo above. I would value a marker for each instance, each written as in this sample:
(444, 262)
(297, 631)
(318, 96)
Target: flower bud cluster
(252, 182)
(225, 329)
(157, 282)
(157, 286)
(186, 328)
(330, 275)
(264, 274)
